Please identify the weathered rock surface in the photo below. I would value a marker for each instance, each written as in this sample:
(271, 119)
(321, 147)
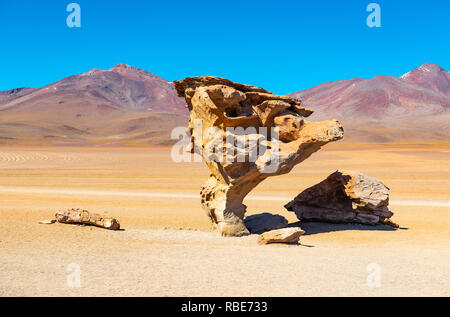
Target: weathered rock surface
(286, 235)
(224, 116)
(344, 197)
(76, 216)
(264, 222)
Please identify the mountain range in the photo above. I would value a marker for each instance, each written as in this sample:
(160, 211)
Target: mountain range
(413, 107)
(130, 106)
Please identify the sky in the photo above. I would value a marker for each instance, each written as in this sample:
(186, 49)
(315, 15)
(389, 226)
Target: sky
(283, 45)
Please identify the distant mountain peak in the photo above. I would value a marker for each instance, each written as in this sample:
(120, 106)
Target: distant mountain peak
(430, 76)
(122, 68)
(429, 68)
(125, 67)
(425, 68)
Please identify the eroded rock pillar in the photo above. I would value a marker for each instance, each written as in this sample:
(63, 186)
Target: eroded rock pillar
(246, 134)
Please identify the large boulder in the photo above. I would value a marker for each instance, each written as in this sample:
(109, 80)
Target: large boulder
(344, 197)
(235, 128)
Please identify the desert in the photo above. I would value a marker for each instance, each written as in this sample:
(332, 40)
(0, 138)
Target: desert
(99, 145)
(214, 157)
(169, 248)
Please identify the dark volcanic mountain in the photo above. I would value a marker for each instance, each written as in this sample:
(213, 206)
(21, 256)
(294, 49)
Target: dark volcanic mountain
(413, 107)
(123, 105)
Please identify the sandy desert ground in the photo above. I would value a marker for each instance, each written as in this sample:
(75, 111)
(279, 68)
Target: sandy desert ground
(168, 248)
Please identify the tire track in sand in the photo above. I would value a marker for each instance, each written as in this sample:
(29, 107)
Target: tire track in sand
(183, 195)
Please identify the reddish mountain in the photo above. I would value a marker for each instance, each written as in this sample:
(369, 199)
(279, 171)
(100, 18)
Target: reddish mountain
(413, 107)
(127, 105)
(123, 105)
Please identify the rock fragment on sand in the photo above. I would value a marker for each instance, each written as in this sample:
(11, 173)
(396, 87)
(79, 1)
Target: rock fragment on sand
(345, 197)
(84, 217)
(234, 128)
(265, 222)
(285, 235)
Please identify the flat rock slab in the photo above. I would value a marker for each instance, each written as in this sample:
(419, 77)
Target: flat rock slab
(286, 235)
(265, 222)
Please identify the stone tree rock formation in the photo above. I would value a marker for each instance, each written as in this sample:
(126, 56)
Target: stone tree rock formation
(345, 197)
(224, 116)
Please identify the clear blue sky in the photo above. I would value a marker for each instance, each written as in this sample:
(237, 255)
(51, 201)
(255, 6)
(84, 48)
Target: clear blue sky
(283, 46)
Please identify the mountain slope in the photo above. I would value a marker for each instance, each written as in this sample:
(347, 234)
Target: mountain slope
(413, 107)
(123, 105)
(8, 95)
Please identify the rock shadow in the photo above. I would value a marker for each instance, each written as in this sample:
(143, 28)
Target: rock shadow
(312, 228)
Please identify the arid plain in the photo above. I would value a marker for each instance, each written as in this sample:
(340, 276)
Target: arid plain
(167, 247)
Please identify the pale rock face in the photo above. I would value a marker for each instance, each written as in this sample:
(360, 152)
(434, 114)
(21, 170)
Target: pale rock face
(344, 197)
(219, 104)
(267, 110)
(290, 126)
(286, 235)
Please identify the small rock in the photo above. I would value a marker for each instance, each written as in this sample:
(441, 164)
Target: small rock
(265, 222)
(286, 235)
(47, 222)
